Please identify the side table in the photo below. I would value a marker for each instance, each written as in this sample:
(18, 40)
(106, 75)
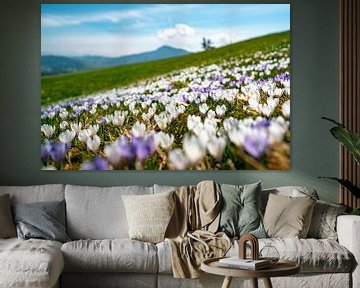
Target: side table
(281, 268)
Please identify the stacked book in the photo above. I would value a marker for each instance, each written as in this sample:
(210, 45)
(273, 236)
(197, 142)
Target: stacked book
(248, 264)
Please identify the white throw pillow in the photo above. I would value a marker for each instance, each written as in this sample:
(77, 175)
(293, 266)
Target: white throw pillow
(149, 215)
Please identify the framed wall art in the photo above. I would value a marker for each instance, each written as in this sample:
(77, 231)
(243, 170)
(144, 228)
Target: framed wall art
(165, 86)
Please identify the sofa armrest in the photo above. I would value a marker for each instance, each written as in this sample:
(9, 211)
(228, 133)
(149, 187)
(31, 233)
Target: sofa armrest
(348, 230)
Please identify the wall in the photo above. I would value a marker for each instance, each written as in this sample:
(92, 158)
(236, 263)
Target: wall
(314, 72)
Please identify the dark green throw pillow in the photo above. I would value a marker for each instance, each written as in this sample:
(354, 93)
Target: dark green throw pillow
(43, 220)
(240, 213)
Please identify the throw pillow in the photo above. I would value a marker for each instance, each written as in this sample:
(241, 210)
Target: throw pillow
(240, 213)
(149, 215)
(323, 223)
(7, 227)
(43, 220)
(288, 217)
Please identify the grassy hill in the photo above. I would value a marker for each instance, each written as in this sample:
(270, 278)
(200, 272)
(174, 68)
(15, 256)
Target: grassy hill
(57, 88)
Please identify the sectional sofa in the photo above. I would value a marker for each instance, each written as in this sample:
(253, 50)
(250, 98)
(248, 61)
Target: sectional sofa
(101, 254)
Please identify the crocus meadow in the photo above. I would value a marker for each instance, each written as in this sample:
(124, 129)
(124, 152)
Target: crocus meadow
(230, 115)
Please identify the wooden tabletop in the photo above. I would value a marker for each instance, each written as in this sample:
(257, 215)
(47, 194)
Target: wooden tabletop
(281, 268)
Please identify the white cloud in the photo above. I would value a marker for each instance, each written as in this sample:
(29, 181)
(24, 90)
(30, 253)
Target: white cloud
(179, 30)
(50, 20)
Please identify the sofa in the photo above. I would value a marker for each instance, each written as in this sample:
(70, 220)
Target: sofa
(100, 253)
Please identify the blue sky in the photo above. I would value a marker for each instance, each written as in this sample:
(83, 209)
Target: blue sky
(123, 29)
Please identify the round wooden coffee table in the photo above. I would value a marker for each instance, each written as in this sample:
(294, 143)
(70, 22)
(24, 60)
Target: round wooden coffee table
(281, 268)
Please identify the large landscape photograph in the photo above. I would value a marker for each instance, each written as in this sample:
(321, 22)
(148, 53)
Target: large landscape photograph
(165, 87)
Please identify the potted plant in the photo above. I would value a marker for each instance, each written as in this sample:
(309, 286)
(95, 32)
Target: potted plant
(351, 141)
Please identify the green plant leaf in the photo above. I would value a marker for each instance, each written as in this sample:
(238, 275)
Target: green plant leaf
(348, 185)
(349, 139)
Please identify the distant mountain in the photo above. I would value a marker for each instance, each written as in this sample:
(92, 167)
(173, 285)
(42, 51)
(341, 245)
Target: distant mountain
(51, 65)
(58, 65)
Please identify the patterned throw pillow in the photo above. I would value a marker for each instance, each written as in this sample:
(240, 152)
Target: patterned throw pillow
(240, 213)
(288, 217)
(323, 223)
(149, 215)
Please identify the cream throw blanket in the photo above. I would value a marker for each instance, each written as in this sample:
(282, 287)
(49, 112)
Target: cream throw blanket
(191, 231)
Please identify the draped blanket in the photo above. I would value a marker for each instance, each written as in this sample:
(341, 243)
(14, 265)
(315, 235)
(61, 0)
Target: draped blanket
(191, 231)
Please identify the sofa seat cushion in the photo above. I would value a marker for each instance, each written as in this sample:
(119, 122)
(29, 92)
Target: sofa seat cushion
(30, 263)
(313, 255)
(115, 255)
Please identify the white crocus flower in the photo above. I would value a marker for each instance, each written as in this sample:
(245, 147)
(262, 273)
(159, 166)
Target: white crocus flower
(237, 137)
(76, 127)
(216, 146)
(220, 110)
(266, 110)
(178, 159)
(162, 123)
(48, 130)
(203, 108)
(286, 109)
(63, 125)
(93, 143)
(92, 130)
(211, 114)
(112, 153)
(276, 132)
(118, 118)
(63, 114)
(138, 129)
(67, 136)
(164, 140)
(193, 121)
(193, 148)
(272, 102)
(83, 136)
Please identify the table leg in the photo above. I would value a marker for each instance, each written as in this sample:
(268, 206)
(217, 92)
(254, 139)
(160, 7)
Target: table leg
(227, 282)
(267, 283)
(254, 282)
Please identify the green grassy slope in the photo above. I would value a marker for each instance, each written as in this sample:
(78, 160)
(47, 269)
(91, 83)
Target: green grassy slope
(56, 88)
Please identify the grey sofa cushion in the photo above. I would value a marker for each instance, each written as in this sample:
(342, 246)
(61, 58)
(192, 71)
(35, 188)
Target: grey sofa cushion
(98, 213)
(240, 212)
(35, 193)
(30, 263)
(43, 220)
(323, 222)
(163, 188)
(117, 255)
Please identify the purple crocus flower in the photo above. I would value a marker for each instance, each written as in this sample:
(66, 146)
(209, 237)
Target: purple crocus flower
(256, 144)
(264, 123)
(45, 150)
(58, 151)
(126, 150)
(144, 147)
(97, 164)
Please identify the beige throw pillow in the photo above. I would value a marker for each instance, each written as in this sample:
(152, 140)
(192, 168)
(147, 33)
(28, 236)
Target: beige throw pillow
(7, 226)
(288, 217)
(149, 215)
